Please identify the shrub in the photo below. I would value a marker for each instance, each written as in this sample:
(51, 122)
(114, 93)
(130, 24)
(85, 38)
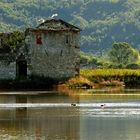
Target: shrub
(133, 66)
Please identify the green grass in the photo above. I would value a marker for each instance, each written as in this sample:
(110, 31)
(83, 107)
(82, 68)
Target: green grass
(110, 72)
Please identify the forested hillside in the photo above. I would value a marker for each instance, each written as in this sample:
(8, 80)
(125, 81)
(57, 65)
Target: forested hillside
(102, 21)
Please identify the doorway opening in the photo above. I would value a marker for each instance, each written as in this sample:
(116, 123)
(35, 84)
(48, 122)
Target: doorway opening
(21, 69)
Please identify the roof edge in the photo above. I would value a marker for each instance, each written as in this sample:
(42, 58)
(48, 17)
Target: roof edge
(59, 20)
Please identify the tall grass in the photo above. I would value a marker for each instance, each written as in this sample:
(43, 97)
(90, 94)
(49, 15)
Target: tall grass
(128, 76)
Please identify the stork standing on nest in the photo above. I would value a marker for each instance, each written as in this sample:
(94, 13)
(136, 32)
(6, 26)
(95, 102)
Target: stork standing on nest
(54, 15)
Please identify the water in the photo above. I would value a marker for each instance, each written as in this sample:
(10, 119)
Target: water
(49, 115)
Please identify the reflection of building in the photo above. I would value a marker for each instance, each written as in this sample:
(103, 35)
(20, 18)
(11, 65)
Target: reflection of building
(50, 50)
(38, 123)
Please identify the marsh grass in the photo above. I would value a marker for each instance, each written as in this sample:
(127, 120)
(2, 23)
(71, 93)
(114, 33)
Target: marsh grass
(79, 82)
(128, 76)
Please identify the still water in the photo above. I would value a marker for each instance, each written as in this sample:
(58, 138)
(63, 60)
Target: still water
(49, 115)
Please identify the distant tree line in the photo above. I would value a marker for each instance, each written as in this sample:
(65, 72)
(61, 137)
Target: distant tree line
(102, 21)
(121, 55)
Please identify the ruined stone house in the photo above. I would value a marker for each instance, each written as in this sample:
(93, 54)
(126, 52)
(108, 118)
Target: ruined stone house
(50, 50)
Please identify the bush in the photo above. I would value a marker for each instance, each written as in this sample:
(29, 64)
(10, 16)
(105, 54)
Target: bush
(133, 66)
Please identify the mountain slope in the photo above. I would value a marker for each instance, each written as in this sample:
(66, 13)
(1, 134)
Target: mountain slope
(102, 21)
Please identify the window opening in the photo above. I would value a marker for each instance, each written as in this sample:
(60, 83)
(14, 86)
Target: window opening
(0, 42)
(67, 39)
(38, 39)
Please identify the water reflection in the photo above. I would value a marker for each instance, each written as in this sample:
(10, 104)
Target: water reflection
(110, 128)
(27, 123)
(51, 117)
(40, 124)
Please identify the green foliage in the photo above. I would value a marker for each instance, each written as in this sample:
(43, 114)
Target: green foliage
(109, 72)
(15, 39)
(90, 61)
(122, 54)
(84, 59)
(133, 66)
(102, 21)
(128, 76)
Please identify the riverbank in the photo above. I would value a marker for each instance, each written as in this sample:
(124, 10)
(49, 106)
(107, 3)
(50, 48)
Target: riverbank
(127, 76)
(84, 83)
(88, 79)
(97, 78)
(27, 85)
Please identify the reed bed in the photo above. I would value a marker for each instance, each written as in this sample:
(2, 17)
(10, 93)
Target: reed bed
(128, 76)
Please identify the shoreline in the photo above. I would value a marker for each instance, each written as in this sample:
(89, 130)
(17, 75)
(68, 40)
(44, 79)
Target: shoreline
(88, 79)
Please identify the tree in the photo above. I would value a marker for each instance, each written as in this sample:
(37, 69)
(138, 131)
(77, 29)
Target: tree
(11, 41)
(123, 53)
(84, 59)
(15, 39)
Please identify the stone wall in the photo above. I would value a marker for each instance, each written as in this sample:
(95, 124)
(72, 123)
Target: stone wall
(7, 71)
(55, 58)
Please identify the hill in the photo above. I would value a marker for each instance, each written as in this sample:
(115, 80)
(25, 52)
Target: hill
(102, 21)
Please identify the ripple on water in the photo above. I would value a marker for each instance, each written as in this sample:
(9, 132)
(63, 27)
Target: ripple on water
(90, 109)
(112, 112)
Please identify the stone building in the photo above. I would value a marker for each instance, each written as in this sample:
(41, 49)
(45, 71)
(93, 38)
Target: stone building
(50, 50)
(54, 49)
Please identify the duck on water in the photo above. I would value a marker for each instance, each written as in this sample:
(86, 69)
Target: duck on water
(103, 106)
